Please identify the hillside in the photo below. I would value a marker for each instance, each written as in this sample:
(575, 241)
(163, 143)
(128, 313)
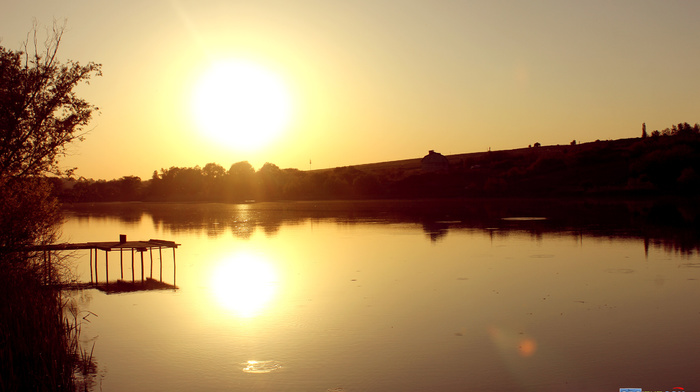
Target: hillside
(412, 164)
(588, 168)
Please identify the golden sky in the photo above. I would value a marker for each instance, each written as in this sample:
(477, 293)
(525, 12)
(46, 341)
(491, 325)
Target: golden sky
(366, 81)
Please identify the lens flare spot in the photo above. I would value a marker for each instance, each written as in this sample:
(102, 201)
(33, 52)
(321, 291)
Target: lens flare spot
(527, 347)
(510, 342)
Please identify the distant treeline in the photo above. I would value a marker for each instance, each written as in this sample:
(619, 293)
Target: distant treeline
(663, 163)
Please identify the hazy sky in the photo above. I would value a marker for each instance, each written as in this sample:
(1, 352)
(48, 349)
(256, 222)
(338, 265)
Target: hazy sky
(370, 81)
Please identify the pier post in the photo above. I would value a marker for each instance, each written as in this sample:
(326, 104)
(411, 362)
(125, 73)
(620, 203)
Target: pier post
(121, 261)
(150, 252)
(90, 265)
(174, 267)
(97, 280)
(142, 275)
(107, 267)
(132, 265)
(160, 258)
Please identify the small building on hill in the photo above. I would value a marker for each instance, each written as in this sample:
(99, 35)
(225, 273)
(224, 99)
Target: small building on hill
(434, 161)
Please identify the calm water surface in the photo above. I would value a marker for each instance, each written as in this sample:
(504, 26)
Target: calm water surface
(395, 297)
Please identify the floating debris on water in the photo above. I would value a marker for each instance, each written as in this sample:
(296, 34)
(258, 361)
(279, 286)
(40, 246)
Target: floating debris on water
(542, 256)
(619, 270)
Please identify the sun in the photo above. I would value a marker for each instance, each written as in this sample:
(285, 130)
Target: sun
(241, 104)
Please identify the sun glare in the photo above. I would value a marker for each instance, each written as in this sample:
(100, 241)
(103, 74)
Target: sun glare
(244, 284)
(241, 105)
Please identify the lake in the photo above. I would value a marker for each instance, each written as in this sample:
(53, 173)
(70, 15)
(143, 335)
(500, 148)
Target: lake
(446, 295)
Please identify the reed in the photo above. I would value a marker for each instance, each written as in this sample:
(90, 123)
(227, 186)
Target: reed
(39, 344)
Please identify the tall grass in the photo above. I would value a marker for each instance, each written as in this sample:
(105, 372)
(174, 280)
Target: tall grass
(40, 329)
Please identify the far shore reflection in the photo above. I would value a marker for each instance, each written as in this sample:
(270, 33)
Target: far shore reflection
(671, 225)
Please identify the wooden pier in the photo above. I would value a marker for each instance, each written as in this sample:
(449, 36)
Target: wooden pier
(122, 246)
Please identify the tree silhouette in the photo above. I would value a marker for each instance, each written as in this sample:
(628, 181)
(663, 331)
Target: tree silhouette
(40, 114)
(241, 182)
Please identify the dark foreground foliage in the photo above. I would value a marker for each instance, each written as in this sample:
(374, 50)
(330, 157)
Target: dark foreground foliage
(39, 348)
(39, 116)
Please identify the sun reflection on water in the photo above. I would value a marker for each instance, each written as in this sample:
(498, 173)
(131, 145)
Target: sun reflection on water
(261, 366)
(244, 284)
